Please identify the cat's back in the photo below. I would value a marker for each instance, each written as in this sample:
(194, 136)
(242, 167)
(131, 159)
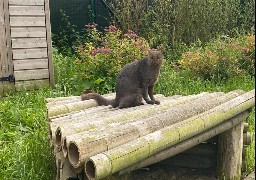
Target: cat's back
(129, 69)
(127, 81)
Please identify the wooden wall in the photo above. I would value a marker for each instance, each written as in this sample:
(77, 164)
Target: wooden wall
(28, 41)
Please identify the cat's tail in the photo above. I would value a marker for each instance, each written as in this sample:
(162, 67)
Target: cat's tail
(98, 98)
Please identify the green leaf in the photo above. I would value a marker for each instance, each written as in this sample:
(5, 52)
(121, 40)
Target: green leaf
(98, 81)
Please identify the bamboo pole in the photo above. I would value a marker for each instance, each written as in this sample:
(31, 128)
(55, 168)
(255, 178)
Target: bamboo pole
(95, 111)
(73, 106)
(115, 116)
(79, 118)
(247, 138)
(187, 144)
(56, 99)
(85, 145)
(246, 126)
(114, 160)
(64, 169)
(105, 126)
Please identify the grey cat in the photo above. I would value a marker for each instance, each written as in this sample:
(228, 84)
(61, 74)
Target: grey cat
(135, 81)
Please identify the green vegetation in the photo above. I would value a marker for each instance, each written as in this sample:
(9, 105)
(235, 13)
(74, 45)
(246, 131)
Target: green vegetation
(24, 144)
(211, 49)
(103, 54)
(221, 58)
(171, 22)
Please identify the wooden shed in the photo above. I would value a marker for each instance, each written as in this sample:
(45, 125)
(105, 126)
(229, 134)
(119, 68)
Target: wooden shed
(25, 45)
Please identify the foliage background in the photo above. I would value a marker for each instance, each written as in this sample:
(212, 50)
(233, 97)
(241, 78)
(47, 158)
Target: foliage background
(208, 46)
(171, 22)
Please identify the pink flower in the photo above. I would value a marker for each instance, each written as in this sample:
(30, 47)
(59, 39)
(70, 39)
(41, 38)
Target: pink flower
(131, 35)
(130, 31)
(100, 51)
(91, 25)
(111, 28)
(105, 43)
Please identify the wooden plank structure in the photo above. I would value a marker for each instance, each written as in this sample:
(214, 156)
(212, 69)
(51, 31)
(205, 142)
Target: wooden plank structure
(96, 142)
(25, 45)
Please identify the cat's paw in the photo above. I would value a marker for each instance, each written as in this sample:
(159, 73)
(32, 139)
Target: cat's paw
(157, 102)
(150, 102)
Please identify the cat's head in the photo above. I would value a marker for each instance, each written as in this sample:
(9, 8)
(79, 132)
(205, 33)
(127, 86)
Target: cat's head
(155, 57)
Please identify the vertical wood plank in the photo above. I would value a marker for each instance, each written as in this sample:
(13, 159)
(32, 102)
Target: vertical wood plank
(8, 65)
(230, 147)
(49, 41)
(3, 54)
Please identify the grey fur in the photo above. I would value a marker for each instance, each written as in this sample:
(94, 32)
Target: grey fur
(135, 81)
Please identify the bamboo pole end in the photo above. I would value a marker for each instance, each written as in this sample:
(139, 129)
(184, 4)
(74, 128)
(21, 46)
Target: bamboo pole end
(73, 154)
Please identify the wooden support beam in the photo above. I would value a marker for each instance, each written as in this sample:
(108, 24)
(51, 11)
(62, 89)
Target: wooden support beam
(230, 146)
(187, 144)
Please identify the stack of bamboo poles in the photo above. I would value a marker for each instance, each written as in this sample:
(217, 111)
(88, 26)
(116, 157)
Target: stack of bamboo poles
(98, 141)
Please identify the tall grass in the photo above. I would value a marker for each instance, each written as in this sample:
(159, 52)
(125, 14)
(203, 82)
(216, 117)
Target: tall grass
(24, 144)
(171, 22)
(173, 82)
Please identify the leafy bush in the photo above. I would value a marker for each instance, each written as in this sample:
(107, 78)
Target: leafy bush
(104, 54)
(66, 73)
(171, 22)
(221, 58)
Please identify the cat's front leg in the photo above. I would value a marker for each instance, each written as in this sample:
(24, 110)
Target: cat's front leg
(145, 95)
(150, 93)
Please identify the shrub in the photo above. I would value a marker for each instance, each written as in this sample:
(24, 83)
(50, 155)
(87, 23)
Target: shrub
(171, 22)
(104, 54)
(221, 58)
(66, 73)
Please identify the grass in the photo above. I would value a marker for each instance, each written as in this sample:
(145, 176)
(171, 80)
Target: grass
(172, 82)
(24, 144)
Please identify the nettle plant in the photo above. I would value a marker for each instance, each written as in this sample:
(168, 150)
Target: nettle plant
(222, 58)
(104, 54)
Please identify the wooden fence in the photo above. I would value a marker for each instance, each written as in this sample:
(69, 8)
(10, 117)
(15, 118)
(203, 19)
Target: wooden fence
(99, 141)
(25, 45)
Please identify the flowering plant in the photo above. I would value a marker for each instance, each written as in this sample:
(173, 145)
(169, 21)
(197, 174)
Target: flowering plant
(103, 54)
(222, 58)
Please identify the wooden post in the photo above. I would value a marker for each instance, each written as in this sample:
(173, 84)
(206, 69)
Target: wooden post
(6, 64)
(230, 147)
(49, 42)
(3, 54)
